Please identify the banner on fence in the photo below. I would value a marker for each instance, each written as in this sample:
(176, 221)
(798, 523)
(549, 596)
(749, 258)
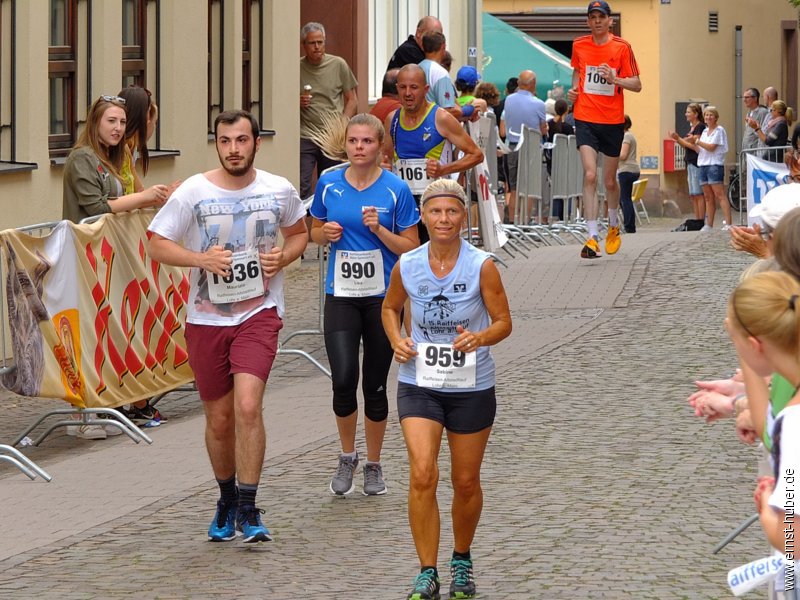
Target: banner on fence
(93, 319)
(492, 232)
(762, 176)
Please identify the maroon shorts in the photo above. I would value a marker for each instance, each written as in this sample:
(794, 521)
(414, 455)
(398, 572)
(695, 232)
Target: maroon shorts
(217, 352)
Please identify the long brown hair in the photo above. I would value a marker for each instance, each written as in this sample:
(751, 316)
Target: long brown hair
(137, 107)
(111, 157)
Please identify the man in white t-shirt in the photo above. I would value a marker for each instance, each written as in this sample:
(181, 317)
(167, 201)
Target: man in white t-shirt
(224, 224)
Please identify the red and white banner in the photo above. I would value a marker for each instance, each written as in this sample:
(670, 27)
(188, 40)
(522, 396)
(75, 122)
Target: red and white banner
(93, 319)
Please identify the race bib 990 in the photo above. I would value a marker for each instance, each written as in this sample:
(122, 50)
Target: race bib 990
(358, 273)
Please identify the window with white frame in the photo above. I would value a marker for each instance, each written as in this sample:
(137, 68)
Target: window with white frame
(390, 24)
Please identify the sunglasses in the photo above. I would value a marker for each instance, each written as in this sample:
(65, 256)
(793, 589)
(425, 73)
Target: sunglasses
(118, 99)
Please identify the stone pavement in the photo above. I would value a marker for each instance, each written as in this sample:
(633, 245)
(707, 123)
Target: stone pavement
(598, 481)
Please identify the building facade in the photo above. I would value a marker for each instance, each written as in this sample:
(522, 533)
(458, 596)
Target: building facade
(197, 57)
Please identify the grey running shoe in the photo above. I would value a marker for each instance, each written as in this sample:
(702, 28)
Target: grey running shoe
(373, 480)
(463, 582)
(426, 586)
(342, 482)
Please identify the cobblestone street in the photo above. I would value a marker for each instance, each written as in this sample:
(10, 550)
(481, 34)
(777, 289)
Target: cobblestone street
(598, 481)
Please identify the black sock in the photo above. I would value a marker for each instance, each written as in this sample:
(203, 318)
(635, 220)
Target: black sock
(462, 555)
(247, 494)
(435, 570)
(227, 490)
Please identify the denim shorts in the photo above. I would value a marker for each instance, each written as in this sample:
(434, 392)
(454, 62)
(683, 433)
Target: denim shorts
(711, 174)
(693, 177)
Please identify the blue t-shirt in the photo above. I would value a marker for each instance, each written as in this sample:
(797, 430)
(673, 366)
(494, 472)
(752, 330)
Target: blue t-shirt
(522, 108)
(335, 200)
(439, 305)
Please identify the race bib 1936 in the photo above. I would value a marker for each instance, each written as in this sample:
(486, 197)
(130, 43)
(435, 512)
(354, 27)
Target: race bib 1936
(441, 366)
(245, 280)
(595, 83)
(358, 274)
(413, 172)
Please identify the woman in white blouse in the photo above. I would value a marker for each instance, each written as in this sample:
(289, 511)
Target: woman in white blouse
(711, 147)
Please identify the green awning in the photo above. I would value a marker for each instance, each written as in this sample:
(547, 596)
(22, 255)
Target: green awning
(507, 51)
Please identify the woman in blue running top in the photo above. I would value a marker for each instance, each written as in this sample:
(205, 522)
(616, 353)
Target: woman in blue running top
(446, 378)
(368, 216)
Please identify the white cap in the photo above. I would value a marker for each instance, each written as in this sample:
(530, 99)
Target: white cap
(776, 203)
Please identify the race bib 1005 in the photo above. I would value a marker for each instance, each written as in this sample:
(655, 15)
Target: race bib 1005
(441, 366)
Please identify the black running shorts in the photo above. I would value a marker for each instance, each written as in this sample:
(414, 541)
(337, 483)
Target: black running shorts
(603, 138)
(459, 412)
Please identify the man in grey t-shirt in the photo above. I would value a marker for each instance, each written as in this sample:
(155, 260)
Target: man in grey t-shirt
(329, 87)
(754, 111)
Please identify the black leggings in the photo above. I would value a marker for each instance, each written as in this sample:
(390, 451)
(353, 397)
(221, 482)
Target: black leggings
(347, 322)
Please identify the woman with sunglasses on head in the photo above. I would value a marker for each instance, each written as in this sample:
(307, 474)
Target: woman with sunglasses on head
(446, 378)
(93, 172)
(93, 186)
(775, 130)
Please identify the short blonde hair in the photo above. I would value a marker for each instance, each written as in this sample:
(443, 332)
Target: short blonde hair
(713, 110)
(767, 306)
(447, 188)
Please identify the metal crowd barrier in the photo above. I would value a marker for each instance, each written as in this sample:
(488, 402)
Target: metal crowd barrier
(282, 349)
(566, 185)
(529, 187)
(575, 188)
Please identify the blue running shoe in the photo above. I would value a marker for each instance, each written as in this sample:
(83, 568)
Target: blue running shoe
(223, 527)
(463, 583)
(426, 586)
(248, 521)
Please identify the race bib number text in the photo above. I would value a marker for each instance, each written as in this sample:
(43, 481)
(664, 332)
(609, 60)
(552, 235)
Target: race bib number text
(242, 283)
(358, 273)
(595, 83)
(412, 171)
(441, 366)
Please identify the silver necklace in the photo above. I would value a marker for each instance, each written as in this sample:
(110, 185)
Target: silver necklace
(441, 262)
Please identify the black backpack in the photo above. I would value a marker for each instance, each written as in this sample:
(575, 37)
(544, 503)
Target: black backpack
(690, 225)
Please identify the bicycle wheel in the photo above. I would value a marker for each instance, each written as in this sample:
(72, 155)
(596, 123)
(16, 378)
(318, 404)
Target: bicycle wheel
(734, 198)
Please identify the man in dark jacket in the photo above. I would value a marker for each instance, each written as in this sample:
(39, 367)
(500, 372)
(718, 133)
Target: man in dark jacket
(410, 51)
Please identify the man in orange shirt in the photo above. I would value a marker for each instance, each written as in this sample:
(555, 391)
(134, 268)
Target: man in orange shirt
(604, 66)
